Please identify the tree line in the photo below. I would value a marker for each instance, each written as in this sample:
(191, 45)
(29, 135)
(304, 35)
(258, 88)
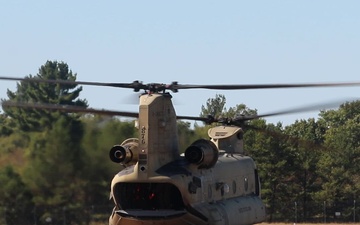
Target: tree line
(56, 163)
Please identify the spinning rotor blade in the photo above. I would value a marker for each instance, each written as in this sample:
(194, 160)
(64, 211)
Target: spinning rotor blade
(68, 108)
(297, 110)
(208, 120)
(294, 110)
(239, 121)
(77, 109)
(134, 85)
(174, 86)
(265, 86)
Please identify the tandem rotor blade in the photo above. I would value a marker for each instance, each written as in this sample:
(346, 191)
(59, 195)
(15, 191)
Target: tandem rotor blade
(265, 86)
(174, 86)
(208, 120)
(77, 109)
(68, 108)
(134, 85)
(239, 121)
(307, 108)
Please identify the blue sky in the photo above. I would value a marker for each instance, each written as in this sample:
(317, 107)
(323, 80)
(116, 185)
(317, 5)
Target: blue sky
(192, 42)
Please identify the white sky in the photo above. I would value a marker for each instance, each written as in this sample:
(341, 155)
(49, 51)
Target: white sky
(192, 42)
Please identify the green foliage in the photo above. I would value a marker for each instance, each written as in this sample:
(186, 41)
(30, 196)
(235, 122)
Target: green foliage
(240, 110)
(6, 125)
(335, 118)
(339, 165)
(55, 167)
(214, 106)
(15, 198)
(305, 138)
(41, 92)
(101, 134)
(275, 164)
(185, 135)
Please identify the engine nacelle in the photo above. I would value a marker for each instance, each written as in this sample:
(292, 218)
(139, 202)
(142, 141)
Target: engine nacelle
(125, 153)
(203, 153)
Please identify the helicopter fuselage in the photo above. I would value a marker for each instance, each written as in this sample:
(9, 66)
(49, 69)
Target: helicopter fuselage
(204, 186)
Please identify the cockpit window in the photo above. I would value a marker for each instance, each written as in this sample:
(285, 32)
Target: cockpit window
(148, 196)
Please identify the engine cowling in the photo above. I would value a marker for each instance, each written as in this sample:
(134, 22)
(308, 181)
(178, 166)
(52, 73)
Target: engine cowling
(203, 153)
(125, 153)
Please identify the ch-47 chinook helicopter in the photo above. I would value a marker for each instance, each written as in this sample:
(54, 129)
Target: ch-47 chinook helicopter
(213, 182)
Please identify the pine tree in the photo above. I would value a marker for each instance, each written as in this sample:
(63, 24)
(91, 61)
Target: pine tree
(34, 92)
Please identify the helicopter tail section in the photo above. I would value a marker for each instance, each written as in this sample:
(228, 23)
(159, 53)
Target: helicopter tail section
(158, 143)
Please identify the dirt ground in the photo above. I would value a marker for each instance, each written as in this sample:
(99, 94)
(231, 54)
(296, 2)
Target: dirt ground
(309, 224)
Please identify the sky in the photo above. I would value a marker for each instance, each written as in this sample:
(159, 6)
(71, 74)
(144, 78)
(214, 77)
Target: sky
(191, 42)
